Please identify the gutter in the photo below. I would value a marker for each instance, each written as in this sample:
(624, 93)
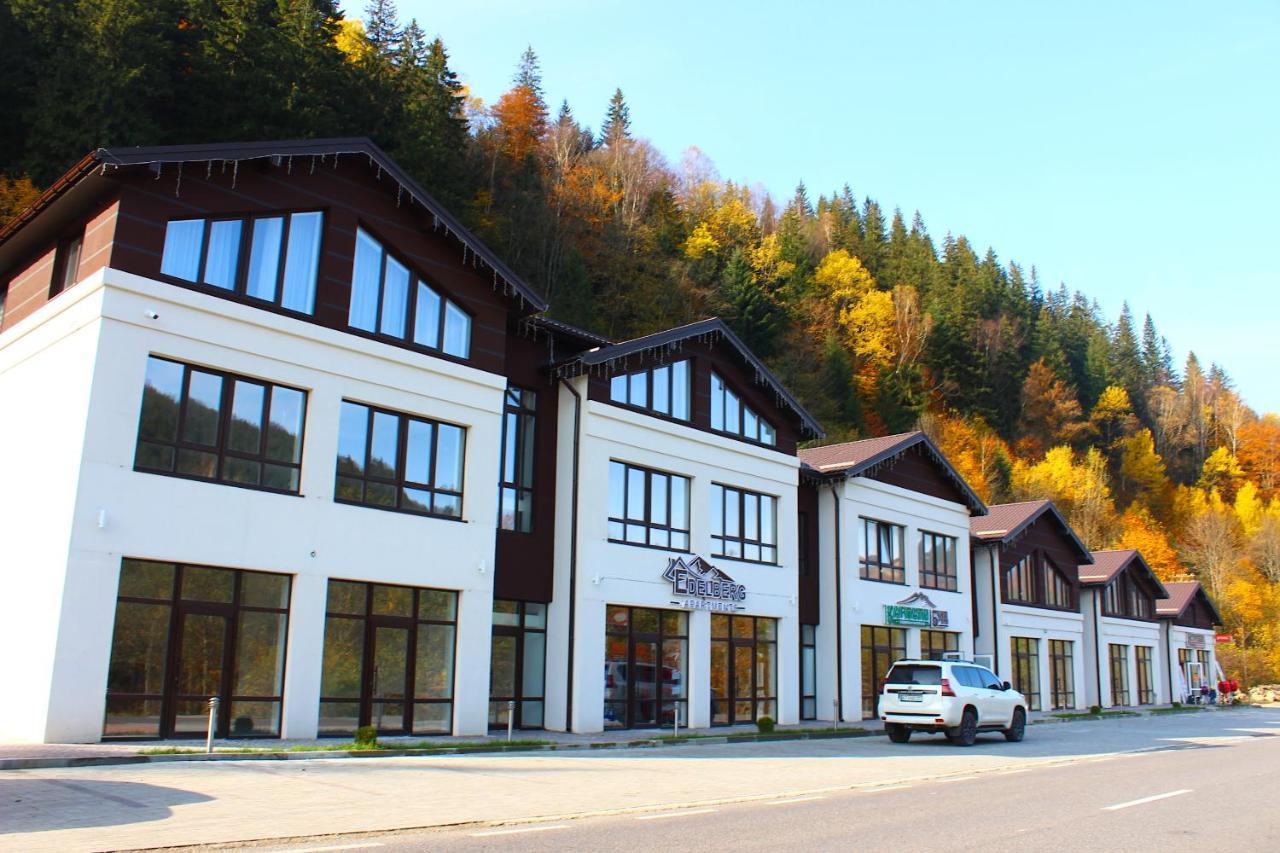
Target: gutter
(835, 497)
(1097, 646)
(573, 556)
(994, 555)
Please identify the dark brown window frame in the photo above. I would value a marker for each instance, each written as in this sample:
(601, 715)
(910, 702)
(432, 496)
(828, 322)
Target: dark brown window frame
(647, 523)
(650, 409)
(722, 538)
(64, 272)
(931, 651)
(225, 418)
(1118, 658)
(731, 641)
(1025, 655)
(520, 633)
(1040, 566)
(809, 641)
(883, 651)
(948, 579)
(525, 417)
(1062, 654)
(1124, 598)
(1144, 660)
(876, 569)
(399, 483)
(630, 701)
(740, 432)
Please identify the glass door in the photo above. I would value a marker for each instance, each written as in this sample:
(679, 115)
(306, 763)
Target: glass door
(389, 685)
(201, 672)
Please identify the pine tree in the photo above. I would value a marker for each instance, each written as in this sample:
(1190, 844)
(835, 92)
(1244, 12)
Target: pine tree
(1152, 361)
(617, 121)
(382, 26)
(529, 72)
(749, 310)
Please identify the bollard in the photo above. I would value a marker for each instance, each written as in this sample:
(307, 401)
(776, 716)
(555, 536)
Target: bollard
(675, 723)
(213, 723)
(511, 718)
(835, 713)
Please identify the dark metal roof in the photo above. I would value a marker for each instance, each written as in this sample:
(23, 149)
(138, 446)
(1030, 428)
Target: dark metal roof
(563, 329)
(1006, 522)
(712, 327)
(1107, 565)
(157, 156)
(1181, 594)
(855, 458)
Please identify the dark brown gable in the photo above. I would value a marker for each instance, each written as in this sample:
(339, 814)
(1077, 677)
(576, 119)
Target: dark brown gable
(917, 471)
(1196, 615)
(1045, 535)
(350, 192)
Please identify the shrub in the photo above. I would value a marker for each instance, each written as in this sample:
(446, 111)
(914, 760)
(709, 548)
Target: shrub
(765, 725)
(1095, 709)
(366, 737)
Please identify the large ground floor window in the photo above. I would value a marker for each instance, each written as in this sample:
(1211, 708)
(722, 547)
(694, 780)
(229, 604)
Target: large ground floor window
(1146, 675)
(880, 648)
(646, 667)
(1062, 674)
(936, 645)
(1026, 669)
(1119, 656)
(388, 659)
(517, 664)
(808, 672)
(184, 634)
(744, 669)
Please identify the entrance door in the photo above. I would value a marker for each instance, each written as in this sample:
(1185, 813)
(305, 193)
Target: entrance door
(644, 672)
(202, 671)
(389, 682)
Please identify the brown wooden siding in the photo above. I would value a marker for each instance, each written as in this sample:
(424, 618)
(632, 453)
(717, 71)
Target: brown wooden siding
(99, 236)
(1046, 536)
(706, 357)
(29, 289)
(916, 471)
(1196, 616)
(807, 507)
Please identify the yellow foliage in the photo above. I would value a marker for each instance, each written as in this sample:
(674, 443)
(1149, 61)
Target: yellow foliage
(843, 278)
(351, 40)
(974, 450)
(701, 242)
(1249, 508)
(868, 325)
(733, 224)
(1221, 471)
(1139, 530)
(1078, 487)
(766, 260)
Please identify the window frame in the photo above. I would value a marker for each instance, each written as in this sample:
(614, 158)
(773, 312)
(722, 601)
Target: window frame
(1036, 571)
(64, 272)
(647, 523)
(948, 579)
(226, 402)
(1025, 656)
(649, 409)
(399, 482)
(950, 644)
(722, 539)
(1144, 664)
(1118, 658)
(1062, 654)
(740, 433)
(897, 574)
(526, 419)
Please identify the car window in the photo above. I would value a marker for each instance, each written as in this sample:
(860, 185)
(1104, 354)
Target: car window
(968, 676)
(991, 681)
(914, 673)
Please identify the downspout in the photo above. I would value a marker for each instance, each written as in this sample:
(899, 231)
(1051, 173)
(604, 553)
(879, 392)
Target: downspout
(1097, 647)
(835, 497)
(994, 554)
(1168, 658)
(573, 557)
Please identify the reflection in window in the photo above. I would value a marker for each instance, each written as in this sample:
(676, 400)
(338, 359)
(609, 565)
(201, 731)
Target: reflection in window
(211, 425)
(388, 298)
(743, 524)
(938, 561)
(664, 390)
(730, 414)
(648, 507)
(283, 256)
(517, 663)
(515, 511)
(395, 461)
(882, 551)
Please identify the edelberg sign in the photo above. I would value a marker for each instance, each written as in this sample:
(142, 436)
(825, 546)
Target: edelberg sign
(702, 586)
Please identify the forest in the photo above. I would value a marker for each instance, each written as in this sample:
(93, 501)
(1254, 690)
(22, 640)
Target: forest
(875, 322)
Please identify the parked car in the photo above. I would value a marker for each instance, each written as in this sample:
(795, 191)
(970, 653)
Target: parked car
(954, 697)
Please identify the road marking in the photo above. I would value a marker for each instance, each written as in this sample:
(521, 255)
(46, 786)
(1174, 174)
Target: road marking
(1118, 806)
(674, 814)
(792, 800)
(956, 779)
(885, 788)
(518, 830)
(368, 846)
(1011, 772)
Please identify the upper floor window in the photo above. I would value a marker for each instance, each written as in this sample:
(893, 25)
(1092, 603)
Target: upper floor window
(210, 425)
(388, 298)
(66, 264)
(390, 460)
(664, 390)
(1122, 597)
(1020, 581)
(1057, 589)
(938, 561)
(274, 258)
(730, 414)
(1034, 579)
(648, 507)
(882, 551)
(744, 524)
(515, 511)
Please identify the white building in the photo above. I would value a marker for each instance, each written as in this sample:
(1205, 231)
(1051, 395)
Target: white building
(1028, 592)
(1122, 638)
(893, 578)
(1187, 620)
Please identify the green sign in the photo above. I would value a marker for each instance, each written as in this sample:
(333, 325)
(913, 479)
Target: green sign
(897, 614)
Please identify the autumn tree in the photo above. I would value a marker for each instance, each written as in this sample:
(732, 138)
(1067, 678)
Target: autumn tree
(1050, 412)
(1211, 543)
(1138, 529)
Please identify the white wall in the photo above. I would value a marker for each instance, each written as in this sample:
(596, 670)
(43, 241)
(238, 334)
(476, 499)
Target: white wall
(1101, 632)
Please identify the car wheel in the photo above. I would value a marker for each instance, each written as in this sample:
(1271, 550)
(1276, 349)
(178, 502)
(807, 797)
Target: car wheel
(1018, 729)
(897, 732)
(967, 732)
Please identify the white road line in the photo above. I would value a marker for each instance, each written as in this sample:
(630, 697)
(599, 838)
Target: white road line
(956, 779)
(519, 829)
(369, 846)
(885, 788)
(792, 800)
(674, 814)
(1118, 806)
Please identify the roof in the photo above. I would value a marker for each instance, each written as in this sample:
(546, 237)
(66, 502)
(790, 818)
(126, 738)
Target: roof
(563, 329)
(856, 458)
(1181, 594)
(1107, 565)
(103, 161)
(1006, 522)
(712, 328)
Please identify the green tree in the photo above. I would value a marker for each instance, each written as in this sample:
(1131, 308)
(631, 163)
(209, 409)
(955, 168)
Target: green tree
(617, 121)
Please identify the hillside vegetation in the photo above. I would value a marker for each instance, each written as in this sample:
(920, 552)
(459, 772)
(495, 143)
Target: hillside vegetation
(877, 324)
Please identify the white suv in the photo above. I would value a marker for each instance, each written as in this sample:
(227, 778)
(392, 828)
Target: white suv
(958, 698)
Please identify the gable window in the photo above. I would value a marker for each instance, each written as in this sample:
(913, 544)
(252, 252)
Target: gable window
(210, 425)
(515, 511)
(273, 258)
(388, 298)
(664, 390)
(882, 551)
(66, 265)
(938, 561)
(1057, 589)
(389, 460)
(743, 524)
(729, 414)
(1020, 581)
(1125, 598)
(648, 507)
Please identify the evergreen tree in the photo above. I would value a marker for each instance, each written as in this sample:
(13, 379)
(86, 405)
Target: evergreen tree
(749, 310)
(529, 72)
(382, 26)
(617, 121)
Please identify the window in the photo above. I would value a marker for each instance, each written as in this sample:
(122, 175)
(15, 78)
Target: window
(646, 667)
(388, 298)
(394, 461)
(808, 672)
(66, 266)
(1020, 581)
(1119, 656)
(274, 258)
(1146, 676)
(1057, 589)
(938, 562)
(1026, 669)
(881, 647)
(515, 510)
(729, 414)
(802, 551)
(743, 524)
(935, 645)
(210, 425)
(664, 390)
(1062, 673)
(744, 669)
(517, 668)
(648, 507)
(1125, 598)
(882, 549)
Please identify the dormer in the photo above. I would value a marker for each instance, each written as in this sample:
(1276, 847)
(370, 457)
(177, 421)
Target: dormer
(1039, 555)
(1188, 606)
(1128, 586)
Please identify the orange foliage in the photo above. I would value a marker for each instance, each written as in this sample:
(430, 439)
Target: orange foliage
(521, 119)
(1139, 530)
(1259, 454)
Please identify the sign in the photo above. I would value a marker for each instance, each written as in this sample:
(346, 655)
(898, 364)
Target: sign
(916, 610)
(1223, 638)
(1196, 641)
(702, 586)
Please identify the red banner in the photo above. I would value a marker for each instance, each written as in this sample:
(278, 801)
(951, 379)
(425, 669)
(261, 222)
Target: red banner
(1223, 638)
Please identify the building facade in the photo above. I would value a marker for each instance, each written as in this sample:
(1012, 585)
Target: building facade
(1119, 594)
(1187, 621)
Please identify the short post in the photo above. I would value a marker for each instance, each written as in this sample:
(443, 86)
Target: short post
(835, 713)
(213, 723)
(675, 723)
(511, 718)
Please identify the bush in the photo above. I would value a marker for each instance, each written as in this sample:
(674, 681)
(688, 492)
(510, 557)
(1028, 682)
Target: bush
(765, 725)
(366, 737)
(1095, 709)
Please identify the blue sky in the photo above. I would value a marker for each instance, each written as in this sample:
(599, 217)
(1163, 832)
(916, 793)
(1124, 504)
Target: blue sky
(1131, 150)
